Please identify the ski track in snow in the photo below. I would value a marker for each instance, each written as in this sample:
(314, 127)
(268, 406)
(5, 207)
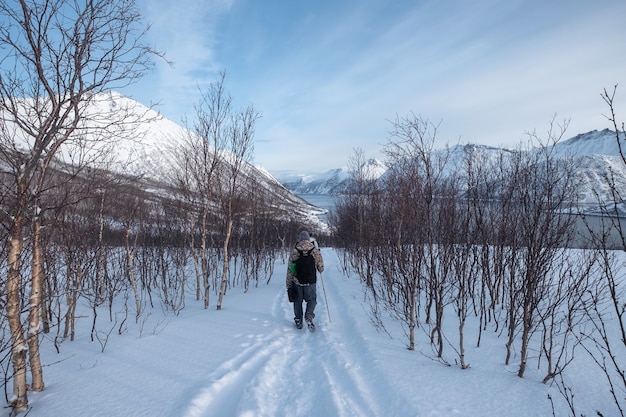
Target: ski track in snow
(291, 372)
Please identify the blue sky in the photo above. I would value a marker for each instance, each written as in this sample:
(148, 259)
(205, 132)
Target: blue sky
(328, 75)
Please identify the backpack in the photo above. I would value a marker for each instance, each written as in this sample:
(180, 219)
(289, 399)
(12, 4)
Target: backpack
(305, 267)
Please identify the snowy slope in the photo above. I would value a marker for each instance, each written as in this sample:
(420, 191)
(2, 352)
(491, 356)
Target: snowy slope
(330, 182)
(597, 156)
(149, 153)
(596, 142)
(248, 360)
(135, 140)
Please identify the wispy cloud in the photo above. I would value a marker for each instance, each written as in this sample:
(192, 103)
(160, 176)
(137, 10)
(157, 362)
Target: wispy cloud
(187, 32)
(332, 73)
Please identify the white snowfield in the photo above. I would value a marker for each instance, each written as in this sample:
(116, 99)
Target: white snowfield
(249, 360)
(291, 372)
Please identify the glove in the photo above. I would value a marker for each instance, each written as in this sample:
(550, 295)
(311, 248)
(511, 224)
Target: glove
(292, 293)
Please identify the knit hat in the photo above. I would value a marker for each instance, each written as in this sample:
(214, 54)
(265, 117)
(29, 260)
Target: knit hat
(304, 235)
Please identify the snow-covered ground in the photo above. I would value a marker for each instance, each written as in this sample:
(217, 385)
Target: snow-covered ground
(249, 360)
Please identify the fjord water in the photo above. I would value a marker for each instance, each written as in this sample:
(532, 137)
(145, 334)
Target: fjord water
(323, 201)
(583, 226)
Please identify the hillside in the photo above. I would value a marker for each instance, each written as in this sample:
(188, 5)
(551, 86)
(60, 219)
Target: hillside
(596, 154)
(122, 137)
(330, 182)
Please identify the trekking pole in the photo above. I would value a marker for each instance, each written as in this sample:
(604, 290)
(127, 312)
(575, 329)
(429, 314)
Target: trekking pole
(325, 299)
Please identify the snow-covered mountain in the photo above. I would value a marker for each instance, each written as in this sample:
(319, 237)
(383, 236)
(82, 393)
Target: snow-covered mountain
(332, 182)
(596, 142)
(140, 143)
(123, 136)
(152, 157)
(597, 155)
(323, 183)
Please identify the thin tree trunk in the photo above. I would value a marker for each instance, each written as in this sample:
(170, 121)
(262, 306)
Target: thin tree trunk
(101, 256)
(461, 342)
(45, 302)
(130, 261)
(525, 336)
(439, 325)
(34, 311)
(412, 321)
(224, 283)
(71, 299)
(194, 255)
(511, 317)
(204, 262)
(18, 343)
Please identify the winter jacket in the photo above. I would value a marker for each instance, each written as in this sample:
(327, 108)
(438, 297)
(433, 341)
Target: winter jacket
(303, 245)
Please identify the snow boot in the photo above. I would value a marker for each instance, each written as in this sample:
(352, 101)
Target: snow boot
(310, 325)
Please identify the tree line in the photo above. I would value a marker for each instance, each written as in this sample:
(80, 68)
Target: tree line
(76, 227)
(488, 236)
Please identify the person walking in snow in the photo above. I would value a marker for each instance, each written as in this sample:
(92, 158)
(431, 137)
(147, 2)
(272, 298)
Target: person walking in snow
(305, 261)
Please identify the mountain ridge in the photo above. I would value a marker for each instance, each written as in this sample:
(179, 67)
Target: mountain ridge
(122, 136)
(144, 148)
(331, 182)
(597, 152)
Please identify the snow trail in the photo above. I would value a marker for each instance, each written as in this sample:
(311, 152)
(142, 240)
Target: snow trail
(249, 360)
(287, 371)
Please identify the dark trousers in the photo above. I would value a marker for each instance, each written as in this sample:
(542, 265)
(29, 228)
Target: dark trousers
(308, 294)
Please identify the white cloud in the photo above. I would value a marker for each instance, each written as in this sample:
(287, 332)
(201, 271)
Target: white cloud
(333, 73)
(187, 33)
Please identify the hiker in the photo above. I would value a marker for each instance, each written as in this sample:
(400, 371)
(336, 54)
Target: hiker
(304, 261)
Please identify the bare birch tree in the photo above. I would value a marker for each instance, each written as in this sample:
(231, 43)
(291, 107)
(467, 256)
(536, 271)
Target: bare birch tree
(546, 198)
(236, 156)
(196, 161)
(354, 204)
(605, 339)
(396, 221)
(56, 55)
